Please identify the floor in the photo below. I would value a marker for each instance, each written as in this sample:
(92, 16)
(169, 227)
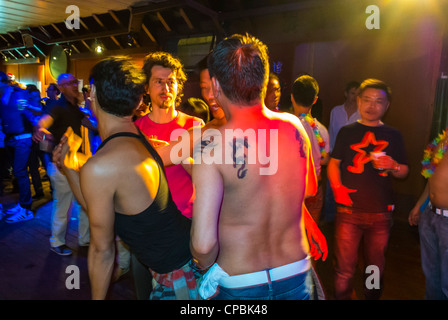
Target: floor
(30, 271)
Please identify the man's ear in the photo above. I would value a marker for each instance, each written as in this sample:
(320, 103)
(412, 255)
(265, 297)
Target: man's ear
(93, 98)
(216, 87)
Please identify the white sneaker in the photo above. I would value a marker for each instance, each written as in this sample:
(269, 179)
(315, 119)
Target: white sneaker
(21, 215)
(14, 209)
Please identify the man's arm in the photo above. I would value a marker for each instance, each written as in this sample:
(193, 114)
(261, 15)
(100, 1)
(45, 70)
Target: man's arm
(317, 241)
(414, 215)
(95, 195)
(99, 197)
(181, 149)
(341, 193)
(204, 230)
(69, 161)
(41, 129)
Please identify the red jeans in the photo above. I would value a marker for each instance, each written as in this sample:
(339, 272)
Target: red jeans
(372, 231)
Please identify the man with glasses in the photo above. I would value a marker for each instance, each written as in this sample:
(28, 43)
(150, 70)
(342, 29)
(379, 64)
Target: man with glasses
(63, 114)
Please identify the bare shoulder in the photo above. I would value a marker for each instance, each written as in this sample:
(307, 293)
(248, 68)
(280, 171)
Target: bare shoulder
(209, 147)
(107, 161)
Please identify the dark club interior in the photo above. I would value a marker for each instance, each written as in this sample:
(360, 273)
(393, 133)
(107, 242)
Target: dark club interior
(402, 42)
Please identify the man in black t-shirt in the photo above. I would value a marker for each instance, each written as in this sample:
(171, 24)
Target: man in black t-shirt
(366, 155)
(62, 114)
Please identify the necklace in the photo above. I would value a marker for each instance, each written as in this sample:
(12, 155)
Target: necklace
(433, 155)
(313, 125)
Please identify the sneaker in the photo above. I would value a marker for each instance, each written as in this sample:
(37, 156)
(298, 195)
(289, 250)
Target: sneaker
(21, 215)
(62, 250)
(14, 209)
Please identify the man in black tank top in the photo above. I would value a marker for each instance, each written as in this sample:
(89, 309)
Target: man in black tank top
(124, 189)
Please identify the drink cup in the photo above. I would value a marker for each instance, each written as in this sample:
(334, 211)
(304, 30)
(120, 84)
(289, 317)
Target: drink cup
(376, 156)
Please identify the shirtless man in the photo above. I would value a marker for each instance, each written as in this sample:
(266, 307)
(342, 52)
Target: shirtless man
(124, 189)
(432, 221)
(248, 225)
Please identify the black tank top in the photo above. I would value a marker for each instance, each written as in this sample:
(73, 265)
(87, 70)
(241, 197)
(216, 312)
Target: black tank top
(160, 235)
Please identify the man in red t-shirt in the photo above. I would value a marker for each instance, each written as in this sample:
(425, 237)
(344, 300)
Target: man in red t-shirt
(165, 80)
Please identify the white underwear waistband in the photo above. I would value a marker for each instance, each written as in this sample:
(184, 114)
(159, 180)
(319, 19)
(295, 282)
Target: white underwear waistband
(266, 276)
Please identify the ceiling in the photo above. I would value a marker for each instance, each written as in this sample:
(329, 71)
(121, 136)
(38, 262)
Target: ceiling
(29, 29)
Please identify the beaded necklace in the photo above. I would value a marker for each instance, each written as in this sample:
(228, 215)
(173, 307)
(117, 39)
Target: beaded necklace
(313, 125)
(433, 155)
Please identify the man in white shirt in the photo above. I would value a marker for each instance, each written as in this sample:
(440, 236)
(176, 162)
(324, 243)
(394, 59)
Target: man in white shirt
(346, 113)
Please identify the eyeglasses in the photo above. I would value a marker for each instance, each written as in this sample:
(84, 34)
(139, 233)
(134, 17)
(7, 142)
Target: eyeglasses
(69, 83)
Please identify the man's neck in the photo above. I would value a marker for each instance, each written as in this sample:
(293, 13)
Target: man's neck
(72, 100)
(246, 114)
(350, 108)
(161, 115)
(375, 123)
(109, 124)
(298, 110)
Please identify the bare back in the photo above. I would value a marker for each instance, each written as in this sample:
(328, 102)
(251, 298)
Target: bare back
(264, 178)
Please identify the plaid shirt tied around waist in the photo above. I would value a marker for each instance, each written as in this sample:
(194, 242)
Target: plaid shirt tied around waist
(180, 284)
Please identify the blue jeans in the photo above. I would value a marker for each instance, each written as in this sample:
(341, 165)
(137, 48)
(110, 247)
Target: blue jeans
(19, 151)
(352, 229)
(433, 230)
(294, 288)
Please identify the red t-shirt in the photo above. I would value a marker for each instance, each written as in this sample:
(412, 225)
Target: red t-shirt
(179, 180)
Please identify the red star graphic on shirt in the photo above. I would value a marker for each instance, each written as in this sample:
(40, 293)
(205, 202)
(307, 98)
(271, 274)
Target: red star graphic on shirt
(362, 157)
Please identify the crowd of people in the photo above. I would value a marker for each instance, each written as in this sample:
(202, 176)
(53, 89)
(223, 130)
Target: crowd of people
(207, 216)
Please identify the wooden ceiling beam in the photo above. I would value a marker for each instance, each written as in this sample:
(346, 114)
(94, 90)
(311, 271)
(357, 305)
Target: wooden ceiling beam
(148, 33)
(162, 20)
(186, 19)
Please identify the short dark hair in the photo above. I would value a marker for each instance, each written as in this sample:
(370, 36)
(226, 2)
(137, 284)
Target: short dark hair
(119, 85)
(375, 84)
(351, 84)
(55, 87)
(305, 90)
(241, 65)
(31, 88)
(166, 60)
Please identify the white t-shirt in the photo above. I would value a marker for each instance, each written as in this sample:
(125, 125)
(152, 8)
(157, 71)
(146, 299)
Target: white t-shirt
(339, 119)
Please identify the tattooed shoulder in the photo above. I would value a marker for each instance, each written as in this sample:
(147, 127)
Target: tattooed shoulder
(240, 147)
(303, 146)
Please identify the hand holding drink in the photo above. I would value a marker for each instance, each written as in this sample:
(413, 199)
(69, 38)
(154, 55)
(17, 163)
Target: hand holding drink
(376, 156)
(381, 161)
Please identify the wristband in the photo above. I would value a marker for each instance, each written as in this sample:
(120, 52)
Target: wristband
(397, 166)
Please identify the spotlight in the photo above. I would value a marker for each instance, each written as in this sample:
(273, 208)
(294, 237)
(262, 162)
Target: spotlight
(99, 47)
(131, 40)
(68, 50)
